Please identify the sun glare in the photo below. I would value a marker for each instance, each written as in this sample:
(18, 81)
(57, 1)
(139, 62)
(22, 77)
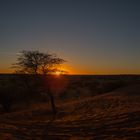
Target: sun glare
(57, 73)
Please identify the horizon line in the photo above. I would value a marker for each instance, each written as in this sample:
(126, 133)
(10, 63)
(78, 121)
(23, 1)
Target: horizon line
(74, 74)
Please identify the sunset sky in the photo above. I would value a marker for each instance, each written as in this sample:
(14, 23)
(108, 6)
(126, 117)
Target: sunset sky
(94, 36)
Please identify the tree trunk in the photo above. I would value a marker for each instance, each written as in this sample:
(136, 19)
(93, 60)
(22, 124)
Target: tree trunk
(52, 103)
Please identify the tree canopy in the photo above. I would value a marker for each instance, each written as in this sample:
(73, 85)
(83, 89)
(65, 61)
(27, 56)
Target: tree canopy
(35, 62)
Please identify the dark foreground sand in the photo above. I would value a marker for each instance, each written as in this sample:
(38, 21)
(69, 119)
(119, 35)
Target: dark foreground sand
(110, 116)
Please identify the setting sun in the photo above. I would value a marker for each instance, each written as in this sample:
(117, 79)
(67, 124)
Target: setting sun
(57, 73)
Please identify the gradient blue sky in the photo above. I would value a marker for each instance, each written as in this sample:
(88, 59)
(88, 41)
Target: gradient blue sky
(94, 36)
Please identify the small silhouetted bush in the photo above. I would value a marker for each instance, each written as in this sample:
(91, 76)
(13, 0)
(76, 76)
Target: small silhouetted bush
(6, 102)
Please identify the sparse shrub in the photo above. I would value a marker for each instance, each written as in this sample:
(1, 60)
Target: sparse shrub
(6, 102)
(5, 98)
(109, 85)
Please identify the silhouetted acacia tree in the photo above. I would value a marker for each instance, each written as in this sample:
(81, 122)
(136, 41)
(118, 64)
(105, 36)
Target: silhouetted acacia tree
(38, 63)
(35, 62)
